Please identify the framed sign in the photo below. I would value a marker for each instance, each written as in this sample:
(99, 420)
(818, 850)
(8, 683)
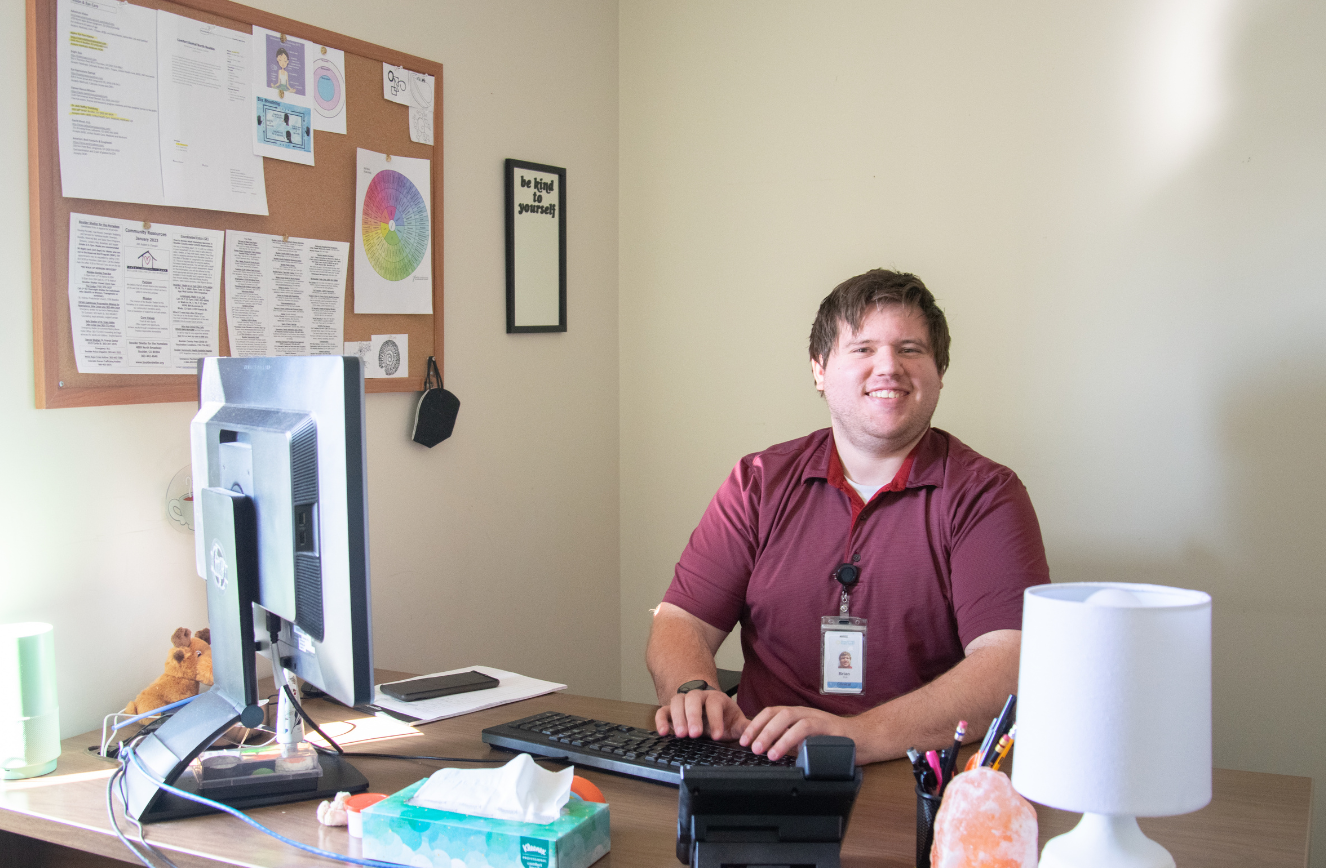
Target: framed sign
(535, 247)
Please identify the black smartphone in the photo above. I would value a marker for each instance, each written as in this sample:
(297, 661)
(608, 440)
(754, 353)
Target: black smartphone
(438, 685)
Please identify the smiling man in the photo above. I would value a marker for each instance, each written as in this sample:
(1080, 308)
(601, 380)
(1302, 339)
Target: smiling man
(879, 540)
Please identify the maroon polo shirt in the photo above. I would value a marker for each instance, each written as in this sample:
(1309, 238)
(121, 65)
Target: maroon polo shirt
(946, 551)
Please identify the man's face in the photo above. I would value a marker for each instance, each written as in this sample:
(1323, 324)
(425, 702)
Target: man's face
(881, 383)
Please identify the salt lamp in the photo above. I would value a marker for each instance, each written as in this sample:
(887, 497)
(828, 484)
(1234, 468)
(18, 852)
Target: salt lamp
(984, 823)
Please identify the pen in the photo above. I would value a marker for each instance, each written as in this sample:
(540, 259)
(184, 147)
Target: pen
(1006, 717)
(951, 760)
(918, 768)
(985, 742)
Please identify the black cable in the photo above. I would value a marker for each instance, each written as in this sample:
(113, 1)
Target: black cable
(304, 714)
(340, 751)
(440, 759)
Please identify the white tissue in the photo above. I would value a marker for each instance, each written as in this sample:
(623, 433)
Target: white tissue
(519, 791)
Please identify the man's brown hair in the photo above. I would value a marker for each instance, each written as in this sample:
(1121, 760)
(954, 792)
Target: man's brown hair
(852, 299)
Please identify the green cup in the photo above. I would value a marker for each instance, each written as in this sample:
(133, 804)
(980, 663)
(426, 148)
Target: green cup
(29, 709)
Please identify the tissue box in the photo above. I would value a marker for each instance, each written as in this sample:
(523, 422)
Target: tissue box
(396, 831)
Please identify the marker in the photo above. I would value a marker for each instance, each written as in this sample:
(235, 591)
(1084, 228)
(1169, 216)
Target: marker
(932, 758)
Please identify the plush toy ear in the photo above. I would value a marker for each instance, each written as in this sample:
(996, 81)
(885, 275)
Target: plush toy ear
(180, 638)
(205, 634)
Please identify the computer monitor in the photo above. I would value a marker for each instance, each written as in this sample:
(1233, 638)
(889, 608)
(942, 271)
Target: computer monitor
(281, 530)
(288, 433)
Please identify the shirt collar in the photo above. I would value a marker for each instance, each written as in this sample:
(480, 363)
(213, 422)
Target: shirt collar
(924, 465)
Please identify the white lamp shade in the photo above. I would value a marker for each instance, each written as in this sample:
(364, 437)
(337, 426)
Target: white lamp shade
(1114, 699)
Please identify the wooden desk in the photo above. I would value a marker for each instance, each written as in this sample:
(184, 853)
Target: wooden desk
(1253, 819)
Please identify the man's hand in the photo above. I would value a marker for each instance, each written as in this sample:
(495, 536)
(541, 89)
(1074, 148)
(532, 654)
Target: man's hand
(701, 712)
(779, 729)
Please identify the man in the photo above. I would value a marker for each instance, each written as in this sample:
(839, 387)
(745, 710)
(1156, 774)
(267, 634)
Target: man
(879, 518)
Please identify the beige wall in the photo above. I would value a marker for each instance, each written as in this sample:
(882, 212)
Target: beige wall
(497, 547)
(1121, 206)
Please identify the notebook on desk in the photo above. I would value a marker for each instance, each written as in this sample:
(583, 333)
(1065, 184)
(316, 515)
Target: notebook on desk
(511, 687)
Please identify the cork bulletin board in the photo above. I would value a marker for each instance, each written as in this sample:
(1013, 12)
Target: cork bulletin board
(303, 201)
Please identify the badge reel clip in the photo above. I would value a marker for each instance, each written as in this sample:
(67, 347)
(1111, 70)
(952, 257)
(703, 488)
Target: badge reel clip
(843, 642)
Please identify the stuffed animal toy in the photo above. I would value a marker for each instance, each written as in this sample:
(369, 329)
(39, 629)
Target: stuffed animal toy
(188, 665)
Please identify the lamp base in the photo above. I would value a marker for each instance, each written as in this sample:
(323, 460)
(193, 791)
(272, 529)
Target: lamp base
(35, 770)
(1105, 841)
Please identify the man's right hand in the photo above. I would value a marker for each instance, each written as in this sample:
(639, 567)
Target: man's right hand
(701, 712)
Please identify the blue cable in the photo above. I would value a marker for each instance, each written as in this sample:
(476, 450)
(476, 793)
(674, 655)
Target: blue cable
(154, 712)
(193, 797)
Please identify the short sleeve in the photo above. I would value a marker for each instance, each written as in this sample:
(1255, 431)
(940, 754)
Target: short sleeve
(711, 577)
(997, 553)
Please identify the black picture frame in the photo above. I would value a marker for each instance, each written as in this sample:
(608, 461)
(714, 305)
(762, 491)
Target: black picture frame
(534, 294)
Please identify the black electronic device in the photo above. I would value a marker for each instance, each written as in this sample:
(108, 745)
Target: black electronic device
(770, 816)
(627, 750)
(433, 686)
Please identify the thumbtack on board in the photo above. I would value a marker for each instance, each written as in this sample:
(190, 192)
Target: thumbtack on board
(283, 37)
(147, 225)
(388, 158)
(280, 94)
(324, 49)
(285, 238)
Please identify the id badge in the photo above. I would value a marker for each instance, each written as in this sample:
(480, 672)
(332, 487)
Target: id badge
(842, 654)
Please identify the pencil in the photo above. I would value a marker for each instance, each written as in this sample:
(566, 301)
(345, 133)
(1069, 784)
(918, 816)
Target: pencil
(1005, 745)
(952, 759)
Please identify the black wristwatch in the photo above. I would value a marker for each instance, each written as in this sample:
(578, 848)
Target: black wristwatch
(697, 684)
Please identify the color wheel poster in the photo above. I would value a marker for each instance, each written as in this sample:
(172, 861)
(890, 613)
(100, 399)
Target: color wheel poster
(393, 235)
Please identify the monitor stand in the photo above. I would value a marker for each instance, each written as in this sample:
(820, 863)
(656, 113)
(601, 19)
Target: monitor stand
(162, 757)
(337, 776)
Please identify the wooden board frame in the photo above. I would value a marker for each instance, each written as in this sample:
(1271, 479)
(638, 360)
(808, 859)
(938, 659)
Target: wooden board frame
(378, 125)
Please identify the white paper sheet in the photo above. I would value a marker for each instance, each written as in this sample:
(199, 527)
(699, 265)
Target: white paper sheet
(511, 688)
(285, 297)
(327, 88)
(393, 237)
(538, 196)
(203, 86)
(142, 300)
(383, 356)
(106, 79)
(416, 90)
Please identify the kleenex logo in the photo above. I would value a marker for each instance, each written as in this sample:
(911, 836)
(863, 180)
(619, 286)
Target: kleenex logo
(533, 853)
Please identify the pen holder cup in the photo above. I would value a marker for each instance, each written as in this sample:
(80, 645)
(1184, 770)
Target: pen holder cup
(927, 806)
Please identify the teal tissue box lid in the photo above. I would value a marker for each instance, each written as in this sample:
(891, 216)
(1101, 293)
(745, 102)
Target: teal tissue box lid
(396, 831)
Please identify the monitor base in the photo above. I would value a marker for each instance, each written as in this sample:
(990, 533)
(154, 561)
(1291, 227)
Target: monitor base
(337, 776)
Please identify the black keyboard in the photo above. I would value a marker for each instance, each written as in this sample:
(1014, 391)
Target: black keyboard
(641, 753)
